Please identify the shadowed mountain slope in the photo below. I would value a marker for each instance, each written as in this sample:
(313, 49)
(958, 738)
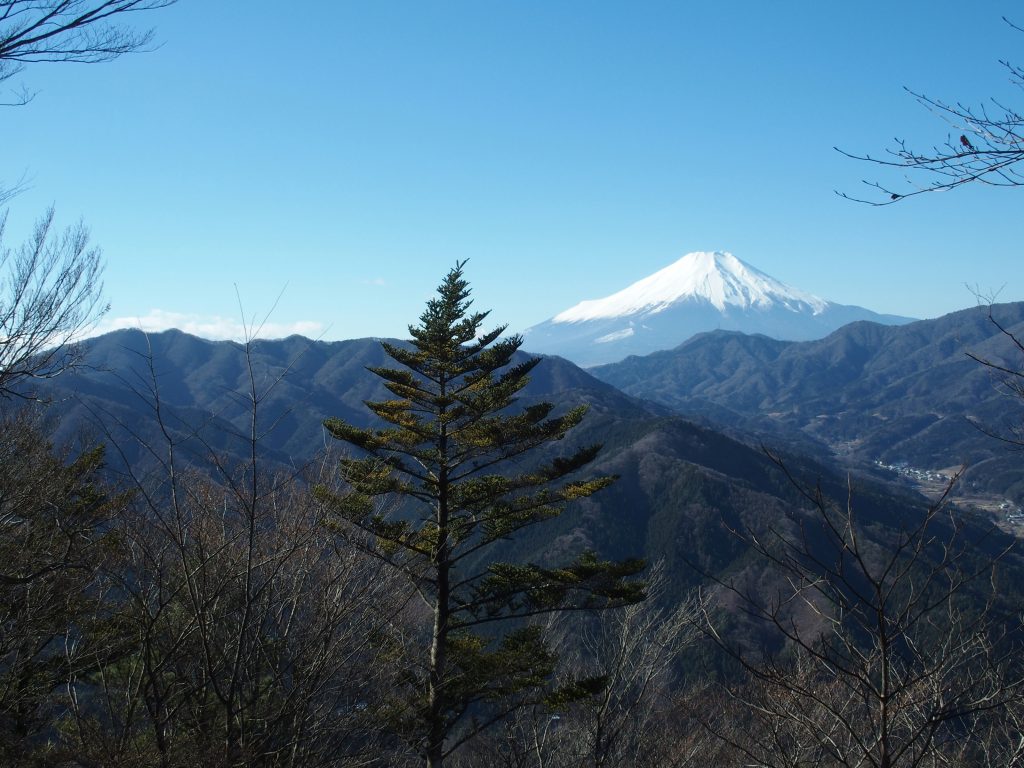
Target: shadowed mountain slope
(682, 486)
(896, 393)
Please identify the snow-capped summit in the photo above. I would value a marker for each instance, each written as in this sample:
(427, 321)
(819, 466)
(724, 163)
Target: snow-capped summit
(702, 291)
(716, 277)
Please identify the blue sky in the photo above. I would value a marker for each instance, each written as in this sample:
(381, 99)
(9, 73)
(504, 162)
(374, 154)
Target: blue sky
(348, 154)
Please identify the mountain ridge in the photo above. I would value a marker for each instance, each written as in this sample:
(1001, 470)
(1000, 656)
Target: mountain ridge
(702, 291)
(866, 392)
(679, 481)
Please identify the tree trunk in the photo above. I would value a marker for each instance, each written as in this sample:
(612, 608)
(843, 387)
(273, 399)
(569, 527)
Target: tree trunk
(436, 727)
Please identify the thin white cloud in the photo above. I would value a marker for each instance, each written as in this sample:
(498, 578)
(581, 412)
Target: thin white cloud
(208, 326)
(378, 281)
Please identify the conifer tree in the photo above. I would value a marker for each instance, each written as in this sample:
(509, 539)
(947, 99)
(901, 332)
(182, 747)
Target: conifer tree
(450, 454)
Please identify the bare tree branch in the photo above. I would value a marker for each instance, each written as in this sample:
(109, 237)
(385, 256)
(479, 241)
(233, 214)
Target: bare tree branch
(985, 145)
(82, 31)
(887, 650)
(79, 31)
(50, 296)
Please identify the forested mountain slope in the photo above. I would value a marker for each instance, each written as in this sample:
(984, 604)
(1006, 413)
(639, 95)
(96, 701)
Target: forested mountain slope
(905, 393)
(681, 485)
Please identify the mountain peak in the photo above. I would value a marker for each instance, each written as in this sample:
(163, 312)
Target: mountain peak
(702, 291)
(712, 277)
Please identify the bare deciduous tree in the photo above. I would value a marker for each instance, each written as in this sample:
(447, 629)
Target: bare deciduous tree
(252, 634)
(985, 145)
(1007, 371)
(634, 650)
(631, 720)
(78, 31)
(244, 646)
(51, 290)
(83, 31)
(891, 652)
(50, 295)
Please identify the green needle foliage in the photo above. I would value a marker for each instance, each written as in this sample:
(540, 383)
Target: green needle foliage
(450, 451)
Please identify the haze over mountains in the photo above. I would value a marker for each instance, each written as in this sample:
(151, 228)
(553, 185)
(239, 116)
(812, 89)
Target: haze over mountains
(700, 292)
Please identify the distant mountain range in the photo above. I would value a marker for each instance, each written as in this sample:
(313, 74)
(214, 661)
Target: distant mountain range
(681, 485)
(698, 293)
(866, 392)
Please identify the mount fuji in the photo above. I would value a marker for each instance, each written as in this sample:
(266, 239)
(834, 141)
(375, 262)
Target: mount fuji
(703, 291)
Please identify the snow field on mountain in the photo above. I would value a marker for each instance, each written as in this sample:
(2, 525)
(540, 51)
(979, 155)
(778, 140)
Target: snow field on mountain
(717, 277)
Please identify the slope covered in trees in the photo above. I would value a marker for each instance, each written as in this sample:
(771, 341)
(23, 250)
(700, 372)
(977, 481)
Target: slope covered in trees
(678, 480)
(239, 619)
(909, 393)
